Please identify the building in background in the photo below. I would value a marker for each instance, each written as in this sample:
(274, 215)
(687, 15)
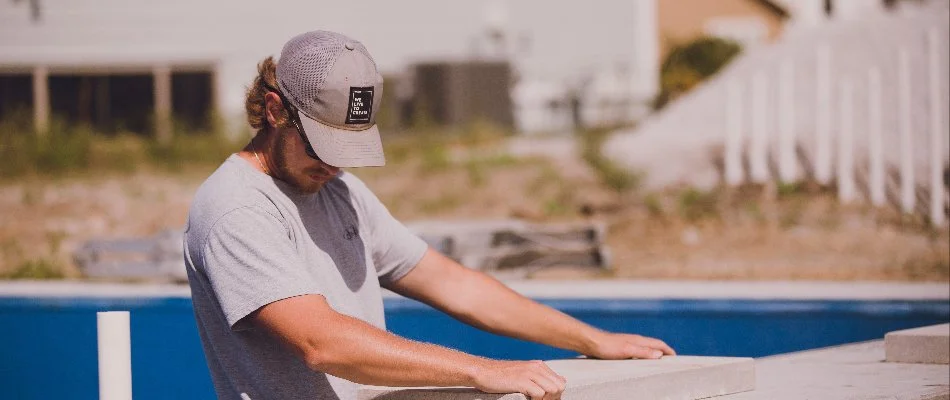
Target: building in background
(135, 65)
(618, 93)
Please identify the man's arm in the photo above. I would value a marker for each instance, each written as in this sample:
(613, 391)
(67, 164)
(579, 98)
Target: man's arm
(482, 301)
(352, 349)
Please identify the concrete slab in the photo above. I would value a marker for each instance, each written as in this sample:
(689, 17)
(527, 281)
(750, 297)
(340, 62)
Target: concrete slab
(927, 345)
(680, 377)
(854, 371)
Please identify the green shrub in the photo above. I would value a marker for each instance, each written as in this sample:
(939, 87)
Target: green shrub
(77, 148)
(613, 176)
(205, 148)
(654, 205)
(60, 149)
(696, 205)
(690, 63)
(42, 268)
(435, 156)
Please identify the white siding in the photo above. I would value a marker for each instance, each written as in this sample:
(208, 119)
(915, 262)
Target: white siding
(560, 38)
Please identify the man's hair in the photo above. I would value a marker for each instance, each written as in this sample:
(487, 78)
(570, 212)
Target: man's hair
(254, 102)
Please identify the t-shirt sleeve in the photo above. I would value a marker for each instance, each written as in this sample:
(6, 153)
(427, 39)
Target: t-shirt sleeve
(395, 249)
(250, 262)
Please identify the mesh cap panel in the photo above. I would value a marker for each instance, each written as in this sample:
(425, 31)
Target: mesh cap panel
(304, 64)
(362, 49)
(334, 83)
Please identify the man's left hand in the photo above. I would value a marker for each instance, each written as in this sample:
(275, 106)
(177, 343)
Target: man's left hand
(619, 346)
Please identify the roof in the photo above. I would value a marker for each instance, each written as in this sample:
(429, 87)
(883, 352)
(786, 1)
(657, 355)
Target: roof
(778, 7)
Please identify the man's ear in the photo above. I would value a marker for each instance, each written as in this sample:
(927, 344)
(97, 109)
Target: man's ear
(272, 107)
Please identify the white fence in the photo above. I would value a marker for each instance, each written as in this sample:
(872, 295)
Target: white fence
(861, 103)
(747, 121)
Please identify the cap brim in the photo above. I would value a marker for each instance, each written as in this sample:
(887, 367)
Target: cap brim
(344, 148)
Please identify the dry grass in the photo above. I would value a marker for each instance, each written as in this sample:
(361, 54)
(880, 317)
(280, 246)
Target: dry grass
(748, 233)
(803, 237)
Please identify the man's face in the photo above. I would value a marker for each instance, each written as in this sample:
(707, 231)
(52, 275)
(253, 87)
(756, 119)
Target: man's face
(295, 167)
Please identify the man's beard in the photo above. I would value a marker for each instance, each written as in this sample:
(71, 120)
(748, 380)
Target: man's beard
(300, 181)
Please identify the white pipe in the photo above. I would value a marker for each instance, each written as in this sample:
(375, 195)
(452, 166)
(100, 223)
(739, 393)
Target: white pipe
(937, 216)
(733, 156)
(846, 188)
(788, 171)
(823, 116)
(758, 159)
(115, 355)
(875, 146)
(905, 132)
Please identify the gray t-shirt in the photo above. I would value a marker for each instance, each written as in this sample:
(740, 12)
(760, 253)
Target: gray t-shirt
(251, 240)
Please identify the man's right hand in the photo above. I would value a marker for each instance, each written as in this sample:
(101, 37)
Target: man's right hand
(534, 379)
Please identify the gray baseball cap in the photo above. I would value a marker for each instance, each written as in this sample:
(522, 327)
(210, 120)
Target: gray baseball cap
(333, 82)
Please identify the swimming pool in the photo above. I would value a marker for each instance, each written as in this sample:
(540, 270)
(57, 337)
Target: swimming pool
(48, 342)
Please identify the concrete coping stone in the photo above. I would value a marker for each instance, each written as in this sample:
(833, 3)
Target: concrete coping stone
(924, 345)
(672, 377)
(846, 372)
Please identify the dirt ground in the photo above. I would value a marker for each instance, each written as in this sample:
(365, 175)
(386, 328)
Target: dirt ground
(747, 233)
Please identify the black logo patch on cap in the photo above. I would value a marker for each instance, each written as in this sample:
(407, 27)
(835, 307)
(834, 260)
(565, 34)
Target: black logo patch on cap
(361, 105)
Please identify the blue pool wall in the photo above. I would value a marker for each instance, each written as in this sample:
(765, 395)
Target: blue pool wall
(48, 345)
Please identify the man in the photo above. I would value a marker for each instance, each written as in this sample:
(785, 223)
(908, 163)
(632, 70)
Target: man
(286, 255)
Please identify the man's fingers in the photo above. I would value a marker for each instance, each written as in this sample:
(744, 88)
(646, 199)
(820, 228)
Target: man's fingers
(550, 381)
(636, 351)
(557, 377)
(534, 391)
(551, 387)
(660, 345)
(654, 343)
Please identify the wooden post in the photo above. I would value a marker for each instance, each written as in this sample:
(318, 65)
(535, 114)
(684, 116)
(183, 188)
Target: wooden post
(875, 146)
(905, 131)
(823, 116)
(788, 169)
(846, 188)
(758, 159)
(937, 216)
(162, 77)
(41, 107)
(733, 156)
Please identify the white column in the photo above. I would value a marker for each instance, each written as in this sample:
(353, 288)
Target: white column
(646, 62)
(905, 130)
(807, 14)
(41, 107)
(162, 78)
(734, 117)
(758, 146)
(788, 168)
(846, 188)
(823, 115)
(855, 9)
(229, 79)
(937, 216)
(115, 355)
(875, 146)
